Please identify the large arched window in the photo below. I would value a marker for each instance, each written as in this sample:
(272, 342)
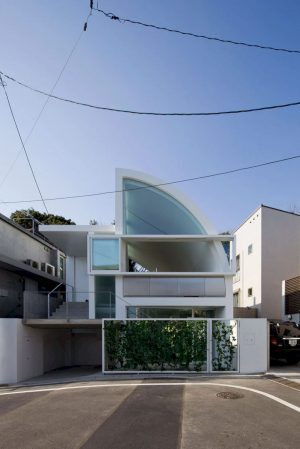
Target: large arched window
(149, 210)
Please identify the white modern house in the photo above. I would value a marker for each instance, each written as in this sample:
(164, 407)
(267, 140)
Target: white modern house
(267, 253)
(161, 259)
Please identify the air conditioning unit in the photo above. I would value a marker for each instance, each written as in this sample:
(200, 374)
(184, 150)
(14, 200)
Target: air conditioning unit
(50, 269)
(33, 263)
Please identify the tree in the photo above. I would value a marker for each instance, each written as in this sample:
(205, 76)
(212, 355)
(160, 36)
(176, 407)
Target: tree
(30, 219)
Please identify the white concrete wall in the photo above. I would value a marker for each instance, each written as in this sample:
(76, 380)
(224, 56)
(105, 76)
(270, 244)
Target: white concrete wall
(8, 350)
(21, 351)
(253, 345)
(27, 352)
(280, 257)
(81, 281)
(30, 352)
(78, 278)
(249, 275)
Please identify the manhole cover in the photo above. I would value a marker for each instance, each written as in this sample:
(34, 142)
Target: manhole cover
(229, 395)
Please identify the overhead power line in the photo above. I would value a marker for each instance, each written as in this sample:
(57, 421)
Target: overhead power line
(199, 36)
(47, 99)
(196, 178)
(164, 114)
(23, 145)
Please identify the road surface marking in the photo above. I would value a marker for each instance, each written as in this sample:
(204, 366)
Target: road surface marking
(187, 384)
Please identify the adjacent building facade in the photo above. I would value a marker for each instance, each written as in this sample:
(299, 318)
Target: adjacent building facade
(267, 253)
(29, 264)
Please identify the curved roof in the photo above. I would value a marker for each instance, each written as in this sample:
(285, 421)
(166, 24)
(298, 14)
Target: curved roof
(161, 208)
(145, 206)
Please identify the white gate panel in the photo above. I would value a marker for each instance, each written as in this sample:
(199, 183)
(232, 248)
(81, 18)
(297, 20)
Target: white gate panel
(253, 345)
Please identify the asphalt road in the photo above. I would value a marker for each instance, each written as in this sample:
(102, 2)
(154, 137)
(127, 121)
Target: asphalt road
(157, 414)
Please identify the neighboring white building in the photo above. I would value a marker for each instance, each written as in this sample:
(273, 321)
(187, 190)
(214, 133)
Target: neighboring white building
(162, 258)
(267, 252)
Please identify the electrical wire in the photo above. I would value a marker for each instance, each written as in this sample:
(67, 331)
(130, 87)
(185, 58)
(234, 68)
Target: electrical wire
(164, 114)
(196, 178)
(46, 101)
(23, 145)
(200, 36)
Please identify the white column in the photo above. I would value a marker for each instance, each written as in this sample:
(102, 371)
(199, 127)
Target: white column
(120, 303)
(92, 313)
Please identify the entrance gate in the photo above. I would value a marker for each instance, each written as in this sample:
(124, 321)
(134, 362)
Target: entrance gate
(170, 345)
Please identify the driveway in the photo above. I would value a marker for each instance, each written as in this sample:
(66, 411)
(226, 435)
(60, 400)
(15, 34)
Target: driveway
(281, 369)
(205, 413)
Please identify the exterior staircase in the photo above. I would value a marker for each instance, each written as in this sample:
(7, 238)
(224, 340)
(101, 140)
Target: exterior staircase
(76, 310)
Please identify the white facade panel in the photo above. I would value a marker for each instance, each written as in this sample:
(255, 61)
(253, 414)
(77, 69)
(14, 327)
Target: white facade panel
(215, 287)
(253, 345)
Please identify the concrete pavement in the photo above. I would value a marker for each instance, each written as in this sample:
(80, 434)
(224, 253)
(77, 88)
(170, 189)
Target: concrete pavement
(146, 414)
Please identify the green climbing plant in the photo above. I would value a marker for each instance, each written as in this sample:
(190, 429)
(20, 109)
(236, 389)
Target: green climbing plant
(224, 346)
(147, 345)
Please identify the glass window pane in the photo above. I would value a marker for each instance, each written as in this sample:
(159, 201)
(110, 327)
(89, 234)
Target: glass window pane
(105, 254)
(151, 211)
(105, 297)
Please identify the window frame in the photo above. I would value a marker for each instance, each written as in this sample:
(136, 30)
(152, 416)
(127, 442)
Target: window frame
(90, 254)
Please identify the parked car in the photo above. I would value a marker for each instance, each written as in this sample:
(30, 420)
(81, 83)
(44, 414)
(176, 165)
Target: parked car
(285, 341)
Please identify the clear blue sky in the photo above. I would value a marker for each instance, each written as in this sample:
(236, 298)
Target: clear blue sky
(75, 150)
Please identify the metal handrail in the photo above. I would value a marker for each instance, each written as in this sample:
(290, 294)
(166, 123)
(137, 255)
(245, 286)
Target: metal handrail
(59, 285)
(52, 291)
(55, 288)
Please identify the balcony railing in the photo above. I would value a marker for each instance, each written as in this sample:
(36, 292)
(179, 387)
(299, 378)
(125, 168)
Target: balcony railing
(54, 305)
(62, 305)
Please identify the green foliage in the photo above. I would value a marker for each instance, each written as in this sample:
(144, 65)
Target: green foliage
(156, 345)
(21, 217)
(224, 346)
